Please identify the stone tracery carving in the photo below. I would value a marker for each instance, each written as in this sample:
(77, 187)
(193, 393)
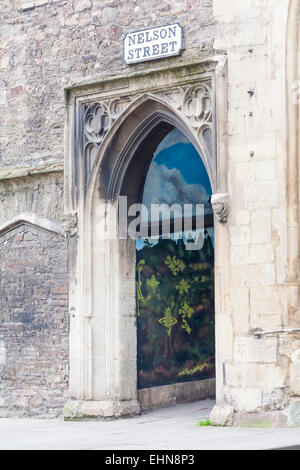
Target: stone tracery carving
(193, 101)
(97, 122)
(220, 205)
(98, 118)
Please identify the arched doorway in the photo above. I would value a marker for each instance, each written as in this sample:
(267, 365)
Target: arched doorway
(175, 273)
(103, 330)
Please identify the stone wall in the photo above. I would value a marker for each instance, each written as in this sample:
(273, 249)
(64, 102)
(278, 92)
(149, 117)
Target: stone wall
(39, 194)
(59, 42)
(47, 45)
(34, 323)
(255, 373)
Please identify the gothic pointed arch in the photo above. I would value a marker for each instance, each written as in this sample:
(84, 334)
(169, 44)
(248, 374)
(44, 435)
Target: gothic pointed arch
(139, 120)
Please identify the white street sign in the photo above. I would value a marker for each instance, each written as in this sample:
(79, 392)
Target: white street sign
(153, 43)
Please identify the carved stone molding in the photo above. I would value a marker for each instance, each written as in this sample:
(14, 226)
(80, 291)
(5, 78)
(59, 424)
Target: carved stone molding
(220, 205)
(98, 118)
(194, 102)
(69, 220)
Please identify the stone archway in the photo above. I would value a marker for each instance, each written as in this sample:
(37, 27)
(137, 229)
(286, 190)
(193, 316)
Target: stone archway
(103, 369)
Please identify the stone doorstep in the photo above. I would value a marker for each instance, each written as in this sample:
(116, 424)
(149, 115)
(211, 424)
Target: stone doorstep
(148, 399)
(225, 416)
(100, 410)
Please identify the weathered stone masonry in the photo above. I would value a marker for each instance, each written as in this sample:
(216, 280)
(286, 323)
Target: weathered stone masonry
(34, 323)
(56, 51)
(45, 46)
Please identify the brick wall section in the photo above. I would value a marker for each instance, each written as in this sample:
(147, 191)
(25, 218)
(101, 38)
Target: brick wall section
(62, 41)
(33, 323)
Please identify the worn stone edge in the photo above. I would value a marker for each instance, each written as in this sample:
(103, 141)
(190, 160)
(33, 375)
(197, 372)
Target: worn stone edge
(227, 416)
(210, 61)
(172, 395)
(75, 410)
(31, 219)
(16, 172)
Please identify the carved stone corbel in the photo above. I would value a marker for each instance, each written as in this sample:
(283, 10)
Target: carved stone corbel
(220, 205)
(69, 220)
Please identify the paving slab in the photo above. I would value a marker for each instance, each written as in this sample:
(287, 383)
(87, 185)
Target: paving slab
(175, 428)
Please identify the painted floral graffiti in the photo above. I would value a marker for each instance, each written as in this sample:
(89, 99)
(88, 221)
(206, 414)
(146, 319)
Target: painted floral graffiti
(175, 308)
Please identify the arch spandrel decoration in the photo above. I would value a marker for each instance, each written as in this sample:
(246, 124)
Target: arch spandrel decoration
(193, 104)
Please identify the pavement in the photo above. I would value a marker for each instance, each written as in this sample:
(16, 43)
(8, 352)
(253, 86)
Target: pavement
(175, 428)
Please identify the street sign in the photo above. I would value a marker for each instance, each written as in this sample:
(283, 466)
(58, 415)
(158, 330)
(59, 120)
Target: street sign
(153, 43)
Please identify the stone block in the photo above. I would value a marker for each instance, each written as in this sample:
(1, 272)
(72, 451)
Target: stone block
(81, 5)
(2, 353)
(262, 194)
(242, 217)
(170, 395)
(295, 378)
(28, 4)
(157, 397)
(245, 171)
(265, 300)
(248, 349)
(241, 310)
(80, 410)
(265, 170)
(108, 14)
(265, 322)
(267, 377)
(240, 235)
(261, 226)
(239, 254)
(16, 91)
(222, 416)
(293, 412)
(260, 254)
(267, 276)
(224, 334)
(246, 399)
(260, 420)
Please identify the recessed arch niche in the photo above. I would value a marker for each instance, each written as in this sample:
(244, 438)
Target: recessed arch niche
(103, 337)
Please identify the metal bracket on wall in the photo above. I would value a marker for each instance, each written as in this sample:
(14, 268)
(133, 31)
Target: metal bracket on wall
(261, 333)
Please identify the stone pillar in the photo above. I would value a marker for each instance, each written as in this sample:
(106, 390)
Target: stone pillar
(103, 342)
(259, 375)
